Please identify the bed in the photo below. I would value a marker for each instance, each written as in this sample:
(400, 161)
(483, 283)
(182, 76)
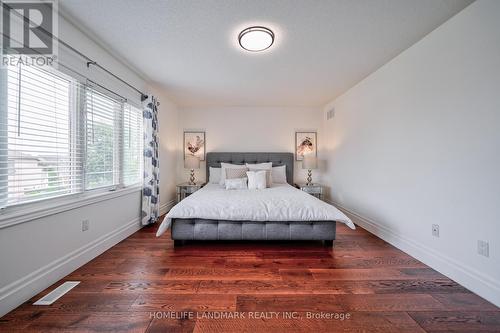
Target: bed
(280, 212)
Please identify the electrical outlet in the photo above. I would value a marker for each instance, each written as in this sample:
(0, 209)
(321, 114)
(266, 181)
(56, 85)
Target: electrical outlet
(435, 230)
(483, 248)
(85, 225)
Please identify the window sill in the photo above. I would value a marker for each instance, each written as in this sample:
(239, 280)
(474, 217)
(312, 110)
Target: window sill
(17, 215)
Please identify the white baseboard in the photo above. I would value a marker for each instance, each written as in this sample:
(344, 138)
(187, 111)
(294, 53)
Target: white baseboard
(18, 292)
(165, 207)
(468, 277)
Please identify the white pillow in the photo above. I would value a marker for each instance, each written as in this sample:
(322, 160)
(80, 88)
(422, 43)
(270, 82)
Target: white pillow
(225, 166)
(214, 177)
(279, 174)
(236, 184)
(263, 166)
(256, 180)
(260, 166)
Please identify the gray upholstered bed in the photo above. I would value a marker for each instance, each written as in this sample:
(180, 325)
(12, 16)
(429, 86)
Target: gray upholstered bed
(202, 229)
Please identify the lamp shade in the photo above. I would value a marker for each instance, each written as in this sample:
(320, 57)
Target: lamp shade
(310, 162)
(191, 162)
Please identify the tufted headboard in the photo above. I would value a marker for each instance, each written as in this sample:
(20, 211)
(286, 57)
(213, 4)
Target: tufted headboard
(214, 159)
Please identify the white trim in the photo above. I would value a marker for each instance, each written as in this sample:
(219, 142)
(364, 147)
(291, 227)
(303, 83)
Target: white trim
(23, 289)
(165, 207)
(481, 284)
(15, 215)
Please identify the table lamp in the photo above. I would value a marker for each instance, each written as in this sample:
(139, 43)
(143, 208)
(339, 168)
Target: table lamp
(191, 162)
(309, 162)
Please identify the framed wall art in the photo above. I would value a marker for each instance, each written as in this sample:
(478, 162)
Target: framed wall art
(194, 144)
(305, 143)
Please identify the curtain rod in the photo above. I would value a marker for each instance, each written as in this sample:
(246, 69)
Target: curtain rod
(87, 79)
(89, 60)
(94, 63)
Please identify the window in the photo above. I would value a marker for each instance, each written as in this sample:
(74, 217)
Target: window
(40, 161)
(60, 137)
(102, 132)
(132, 145)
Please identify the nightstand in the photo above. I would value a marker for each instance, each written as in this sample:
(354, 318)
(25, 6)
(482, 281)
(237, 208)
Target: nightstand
(313, 189)
(185, 189)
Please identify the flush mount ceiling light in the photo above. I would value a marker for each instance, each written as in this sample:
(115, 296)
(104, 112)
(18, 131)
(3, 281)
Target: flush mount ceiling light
(255, 39)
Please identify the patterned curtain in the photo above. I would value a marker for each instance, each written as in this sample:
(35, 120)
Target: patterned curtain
(150, 188)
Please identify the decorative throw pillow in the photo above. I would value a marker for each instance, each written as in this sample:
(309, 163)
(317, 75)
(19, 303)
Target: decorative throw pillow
(225, 166)
(260, 166)
(256, 180)
(278, 174)
(263, 166)
(236, 184)
(236, 173)
(214, 177)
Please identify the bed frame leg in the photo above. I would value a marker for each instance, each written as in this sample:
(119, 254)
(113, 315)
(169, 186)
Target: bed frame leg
(178, 242)
(328, 242)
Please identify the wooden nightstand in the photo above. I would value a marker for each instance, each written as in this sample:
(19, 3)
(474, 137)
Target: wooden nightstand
(185, 189)
(313, 189)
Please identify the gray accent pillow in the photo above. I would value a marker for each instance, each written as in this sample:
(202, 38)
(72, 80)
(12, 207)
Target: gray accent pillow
(236, 173)
(225, 166)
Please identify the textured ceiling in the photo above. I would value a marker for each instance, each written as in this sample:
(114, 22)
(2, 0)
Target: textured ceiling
(322, 48)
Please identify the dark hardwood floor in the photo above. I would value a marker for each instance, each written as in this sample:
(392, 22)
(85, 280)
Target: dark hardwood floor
(134, 287)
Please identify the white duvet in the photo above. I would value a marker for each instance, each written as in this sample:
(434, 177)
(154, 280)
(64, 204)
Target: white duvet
(281, 202)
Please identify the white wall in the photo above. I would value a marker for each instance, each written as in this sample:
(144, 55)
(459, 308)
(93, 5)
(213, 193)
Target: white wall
(37, 253)
(417, 143)
(84, 43)
(248, 129)
(170, 147)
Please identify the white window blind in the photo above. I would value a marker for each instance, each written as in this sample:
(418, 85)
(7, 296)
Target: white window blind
(132, 145)
(103, 136)
(59, 137)
(42, 159)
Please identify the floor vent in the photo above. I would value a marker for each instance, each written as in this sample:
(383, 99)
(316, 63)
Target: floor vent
(55, 294)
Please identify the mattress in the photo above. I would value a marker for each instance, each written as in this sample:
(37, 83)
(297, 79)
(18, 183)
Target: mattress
(280, 203)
